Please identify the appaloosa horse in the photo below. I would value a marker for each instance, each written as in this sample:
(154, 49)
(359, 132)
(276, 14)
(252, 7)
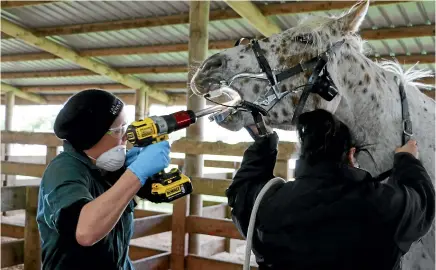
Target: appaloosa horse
(368, 98)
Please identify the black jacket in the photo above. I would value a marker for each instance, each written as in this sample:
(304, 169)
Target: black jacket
(331, 216)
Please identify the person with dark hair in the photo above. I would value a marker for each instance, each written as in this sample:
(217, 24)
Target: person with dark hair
(85, 204)
(333, 215)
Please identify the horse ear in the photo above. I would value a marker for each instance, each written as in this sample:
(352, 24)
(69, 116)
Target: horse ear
(354, 17)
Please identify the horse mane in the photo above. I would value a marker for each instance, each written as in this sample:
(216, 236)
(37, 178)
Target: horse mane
(408, 76)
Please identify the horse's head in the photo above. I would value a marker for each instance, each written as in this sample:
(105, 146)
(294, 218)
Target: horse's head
(282, 51)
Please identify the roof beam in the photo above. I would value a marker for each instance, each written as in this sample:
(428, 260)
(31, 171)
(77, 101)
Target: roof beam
(402, 59)
(369, 34)
(214, 15)
(128, 98)
(249, 11)
(85, 72)
(80, 87)
(19, 93)
(68, 54)
(15, 4)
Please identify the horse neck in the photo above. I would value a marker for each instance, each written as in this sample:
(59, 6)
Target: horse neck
(370, 105)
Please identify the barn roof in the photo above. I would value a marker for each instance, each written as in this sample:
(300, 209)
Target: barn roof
(149, 39)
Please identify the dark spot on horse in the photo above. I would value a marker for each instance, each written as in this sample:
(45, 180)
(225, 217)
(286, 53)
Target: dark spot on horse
(278, 50)
(265, 52)
(384, 75)
(256, 89)
(344, 79)
(285, 51)
(241, 57)
(285, 112)
(294, 100)
(378, 105)
(237, 66)
(360, 82)
(281, 60)
(275, 114)
(347, 56)
(272, 46)
(395, 79)
(334, 32)
(266, 39)
(372, 97)
(377, 79)
(362, 66)
(348, 45)
(246, 80)
(350, 85)
(284, 89)
(423, 255)
(284, 43)
(425, 109)
(365, 90)
(367, 78)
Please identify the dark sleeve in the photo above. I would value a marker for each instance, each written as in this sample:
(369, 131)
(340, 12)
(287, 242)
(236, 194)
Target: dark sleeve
(63, 191)
(256, 170)
(418, 198)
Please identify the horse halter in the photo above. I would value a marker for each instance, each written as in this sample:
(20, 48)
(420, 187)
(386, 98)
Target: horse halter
(319, 82)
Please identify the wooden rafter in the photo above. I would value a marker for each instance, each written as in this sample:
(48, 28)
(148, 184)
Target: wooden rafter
(214, 15)
(19, 93)
(70, 55)
(109, 87)
(250, 12)
(402, 59)
(128, 98)
(370, 34)
(85, 72)
(15, 4)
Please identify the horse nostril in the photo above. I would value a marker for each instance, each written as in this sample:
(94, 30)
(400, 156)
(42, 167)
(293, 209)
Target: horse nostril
(214, 63)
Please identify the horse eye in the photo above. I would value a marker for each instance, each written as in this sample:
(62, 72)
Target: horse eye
(306, 39)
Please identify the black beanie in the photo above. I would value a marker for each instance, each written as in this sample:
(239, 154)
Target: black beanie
(86, 117)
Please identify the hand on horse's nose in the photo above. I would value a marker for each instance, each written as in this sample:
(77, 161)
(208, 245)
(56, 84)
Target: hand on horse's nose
(213, 64)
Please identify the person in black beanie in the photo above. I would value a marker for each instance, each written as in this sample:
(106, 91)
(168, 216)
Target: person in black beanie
(85, 204)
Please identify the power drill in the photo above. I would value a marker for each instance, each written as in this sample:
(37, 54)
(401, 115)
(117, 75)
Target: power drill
(164, 187)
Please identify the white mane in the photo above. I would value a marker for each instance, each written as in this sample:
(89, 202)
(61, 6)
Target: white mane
(410, 75)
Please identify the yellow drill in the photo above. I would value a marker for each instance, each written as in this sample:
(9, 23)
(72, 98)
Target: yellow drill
(164, 187)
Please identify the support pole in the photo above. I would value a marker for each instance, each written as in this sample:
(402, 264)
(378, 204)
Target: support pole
(198, 47)
(8, 180)
(32, 245)
(141, 104)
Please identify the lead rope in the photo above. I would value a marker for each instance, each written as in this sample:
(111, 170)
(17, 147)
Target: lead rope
(271, 183)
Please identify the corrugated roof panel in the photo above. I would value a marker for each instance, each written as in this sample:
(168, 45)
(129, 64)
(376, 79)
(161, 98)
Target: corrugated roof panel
(164, 59)
(231, 29)
(59, 80)
(39, 65)
(16, 46)
(168, 77)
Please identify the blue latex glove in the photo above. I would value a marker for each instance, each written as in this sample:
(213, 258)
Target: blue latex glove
(132, 154)
(150, 160)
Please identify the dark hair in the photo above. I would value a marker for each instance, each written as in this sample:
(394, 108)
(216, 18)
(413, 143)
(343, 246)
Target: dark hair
(323, 137)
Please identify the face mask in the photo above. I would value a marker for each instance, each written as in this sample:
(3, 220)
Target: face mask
(112, 159)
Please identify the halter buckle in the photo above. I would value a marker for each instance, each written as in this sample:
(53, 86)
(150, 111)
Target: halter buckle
(407, 127)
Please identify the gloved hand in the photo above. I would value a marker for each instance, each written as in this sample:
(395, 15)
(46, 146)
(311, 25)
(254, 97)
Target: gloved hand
(151, 160)
(132, 154)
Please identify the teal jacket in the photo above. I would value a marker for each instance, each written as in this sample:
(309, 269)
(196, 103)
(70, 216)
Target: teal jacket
(69, 182)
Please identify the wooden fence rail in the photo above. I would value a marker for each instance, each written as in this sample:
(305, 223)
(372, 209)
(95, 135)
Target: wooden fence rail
(214, 220)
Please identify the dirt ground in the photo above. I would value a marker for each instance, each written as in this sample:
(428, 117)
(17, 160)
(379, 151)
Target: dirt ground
(160, 241)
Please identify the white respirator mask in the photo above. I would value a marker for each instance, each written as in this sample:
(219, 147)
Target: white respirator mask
(113, 159)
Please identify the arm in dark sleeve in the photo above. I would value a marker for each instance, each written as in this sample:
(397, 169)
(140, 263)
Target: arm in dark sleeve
(63, 192)
(418, 199)
(256, 170)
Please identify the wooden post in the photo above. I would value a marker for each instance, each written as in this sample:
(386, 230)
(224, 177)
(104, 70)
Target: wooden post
(52, 152)
(282, 169)
(140, 104)
(8, 180)
(32, 245)
(198, 48)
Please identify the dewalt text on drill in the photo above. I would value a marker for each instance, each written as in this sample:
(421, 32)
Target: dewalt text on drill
(164, 186)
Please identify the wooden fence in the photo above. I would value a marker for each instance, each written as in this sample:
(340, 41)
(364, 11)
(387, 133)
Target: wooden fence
(214, 220)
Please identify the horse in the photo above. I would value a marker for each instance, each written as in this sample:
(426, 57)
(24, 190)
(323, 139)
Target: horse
(367, 100)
